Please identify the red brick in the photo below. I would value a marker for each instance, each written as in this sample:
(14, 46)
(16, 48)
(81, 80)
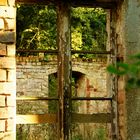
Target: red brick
(121, 109)
(121, 121)
(11, 50)
(7, 62)
(2, 49)
(121, 97)
(2, 100)
(2, 75)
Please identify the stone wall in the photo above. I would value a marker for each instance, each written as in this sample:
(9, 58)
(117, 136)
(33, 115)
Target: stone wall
(32, 75)
(7, 70)
(132, 44)
(32, 80)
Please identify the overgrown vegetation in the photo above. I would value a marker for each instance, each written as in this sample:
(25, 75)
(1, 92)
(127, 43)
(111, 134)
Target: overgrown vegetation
(130, 70)
(36, 28)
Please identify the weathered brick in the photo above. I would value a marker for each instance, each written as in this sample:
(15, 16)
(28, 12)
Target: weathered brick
(2, 75)
(11, 2)
(2, 100)
(2, 125)
(7, 112)
(7, 24)
(7, 88)
(7, 62)
(2, 49)
(11, 101)
(121, 97)
(121, 121)
(10, 124)
(7, 37)
(121, 109)
(11, 75)
(7, 136)
(3, 2)
(7, 12)
(11, 50)
(1, 24)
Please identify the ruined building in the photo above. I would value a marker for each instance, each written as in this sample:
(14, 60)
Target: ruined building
(123, 24)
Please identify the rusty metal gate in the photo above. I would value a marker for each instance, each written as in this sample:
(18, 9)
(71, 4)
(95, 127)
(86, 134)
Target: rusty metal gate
(64, 117)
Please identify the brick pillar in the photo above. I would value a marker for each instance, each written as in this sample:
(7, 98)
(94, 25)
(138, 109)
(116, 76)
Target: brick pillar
(7, 70)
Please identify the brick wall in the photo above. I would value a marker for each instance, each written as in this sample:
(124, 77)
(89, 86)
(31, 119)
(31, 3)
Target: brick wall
(7, 70)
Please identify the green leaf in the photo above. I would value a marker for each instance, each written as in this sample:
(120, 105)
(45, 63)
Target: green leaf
(112, 69)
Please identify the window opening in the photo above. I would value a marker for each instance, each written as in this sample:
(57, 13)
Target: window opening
(87, 42)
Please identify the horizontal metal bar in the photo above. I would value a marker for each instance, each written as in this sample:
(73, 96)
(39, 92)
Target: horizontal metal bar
(91, 118)
(36, 98)
(56, 51)
(37, 51)
(89, 52)
(108, 4)
(91, 4)
(92, 98)
(36, 119)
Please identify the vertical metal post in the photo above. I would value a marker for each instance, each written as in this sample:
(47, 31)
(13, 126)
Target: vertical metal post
(114, 79)
(64, 68)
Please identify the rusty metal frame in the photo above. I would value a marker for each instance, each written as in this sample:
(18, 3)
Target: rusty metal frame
(107, 4)
(56, 51)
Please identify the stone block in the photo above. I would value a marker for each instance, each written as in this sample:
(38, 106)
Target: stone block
(7, 62)
(7, 37)
(2, 100)
(11, 50)
(2, 75)
(2, 49)
(3, 2)
(2, 125)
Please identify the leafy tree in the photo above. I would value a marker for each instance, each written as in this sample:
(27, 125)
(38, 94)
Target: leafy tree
(36, 28)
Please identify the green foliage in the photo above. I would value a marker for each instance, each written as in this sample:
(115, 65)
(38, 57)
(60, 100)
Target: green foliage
(131, 70)
(52, 105)
(91, 23)
(36, 28)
